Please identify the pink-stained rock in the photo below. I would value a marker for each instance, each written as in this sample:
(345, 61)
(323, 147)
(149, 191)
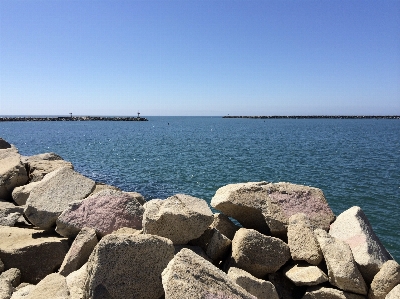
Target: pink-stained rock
(268, 206)
(353, 227)
(105, 212)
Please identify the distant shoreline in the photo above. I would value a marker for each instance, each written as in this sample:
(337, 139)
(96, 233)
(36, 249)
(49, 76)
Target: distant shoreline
(73, 118)
(319, 117)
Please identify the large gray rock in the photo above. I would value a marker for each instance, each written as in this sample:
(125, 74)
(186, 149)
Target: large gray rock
(353, 227)
(224, 225)
(268, 206)
(127, 266)
(179, 218)
(259, 288)
(79, 252)
(385, 280)
(21, 194)
(49, 199)
(12, 173)
(105, 212)
(40, 165)
(53, 286)
(9, 213)
(394, 293)
(342, 269)
(305, 275)
(35, 252)
(258, 254)
(320, 292)
(190, 276)
(302, 241)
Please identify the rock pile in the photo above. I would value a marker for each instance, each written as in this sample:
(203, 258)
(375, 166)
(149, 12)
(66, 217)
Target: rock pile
(63, 235)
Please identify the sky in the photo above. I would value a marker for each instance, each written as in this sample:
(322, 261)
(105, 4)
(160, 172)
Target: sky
(199, 57)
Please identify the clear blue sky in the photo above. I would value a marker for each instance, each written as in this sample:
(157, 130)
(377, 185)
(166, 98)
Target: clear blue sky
(200, 57)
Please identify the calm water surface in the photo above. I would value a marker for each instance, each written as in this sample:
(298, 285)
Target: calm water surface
(355, 162)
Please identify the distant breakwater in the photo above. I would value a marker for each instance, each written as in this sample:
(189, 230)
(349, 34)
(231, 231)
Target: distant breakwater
(73, 118)
(319, 117)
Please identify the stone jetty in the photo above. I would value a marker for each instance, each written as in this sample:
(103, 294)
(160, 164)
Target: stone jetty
(74, 118)
(317, 117)
(62, 235)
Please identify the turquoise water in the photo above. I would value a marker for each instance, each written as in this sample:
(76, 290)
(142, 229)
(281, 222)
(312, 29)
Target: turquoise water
(355, 162)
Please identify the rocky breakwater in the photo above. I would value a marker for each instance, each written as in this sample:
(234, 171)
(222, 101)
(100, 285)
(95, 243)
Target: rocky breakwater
(63, 235)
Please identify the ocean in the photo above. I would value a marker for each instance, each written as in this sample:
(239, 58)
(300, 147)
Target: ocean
(356, 162)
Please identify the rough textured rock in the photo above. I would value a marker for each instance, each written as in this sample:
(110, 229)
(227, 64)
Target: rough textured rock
(12, 174)
(180, 218)
(8, 152)
(22, 293)
(79, 251)
(190, 276)
(76, 283)
(305, 275)
(385, 280)
(105, 212)
(13, 275)
(100, 187)
(9, 213)
(319, 292)
(258, 254)
(35, 252)
(268, 206)
(142, 258)
(224, 225)
(6, 289)
(342, 269)
(4, 144)
(353, 227)
(40, 165)
(259, 288)
(21, 194)
(394, 293)
(47, 200)
(52, 286)
(302, 241)
(216, 245)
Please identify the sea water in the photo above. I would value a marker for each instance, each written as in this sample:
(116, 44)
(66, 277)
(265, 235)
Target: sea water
(356, 162)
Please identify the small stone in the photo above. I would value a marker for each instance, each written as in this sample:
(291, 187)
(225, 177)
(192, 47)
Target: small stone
(21, 194)
(319, 292)
(305, 275)
(224, 225)
(13, 275)
(53, 286)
